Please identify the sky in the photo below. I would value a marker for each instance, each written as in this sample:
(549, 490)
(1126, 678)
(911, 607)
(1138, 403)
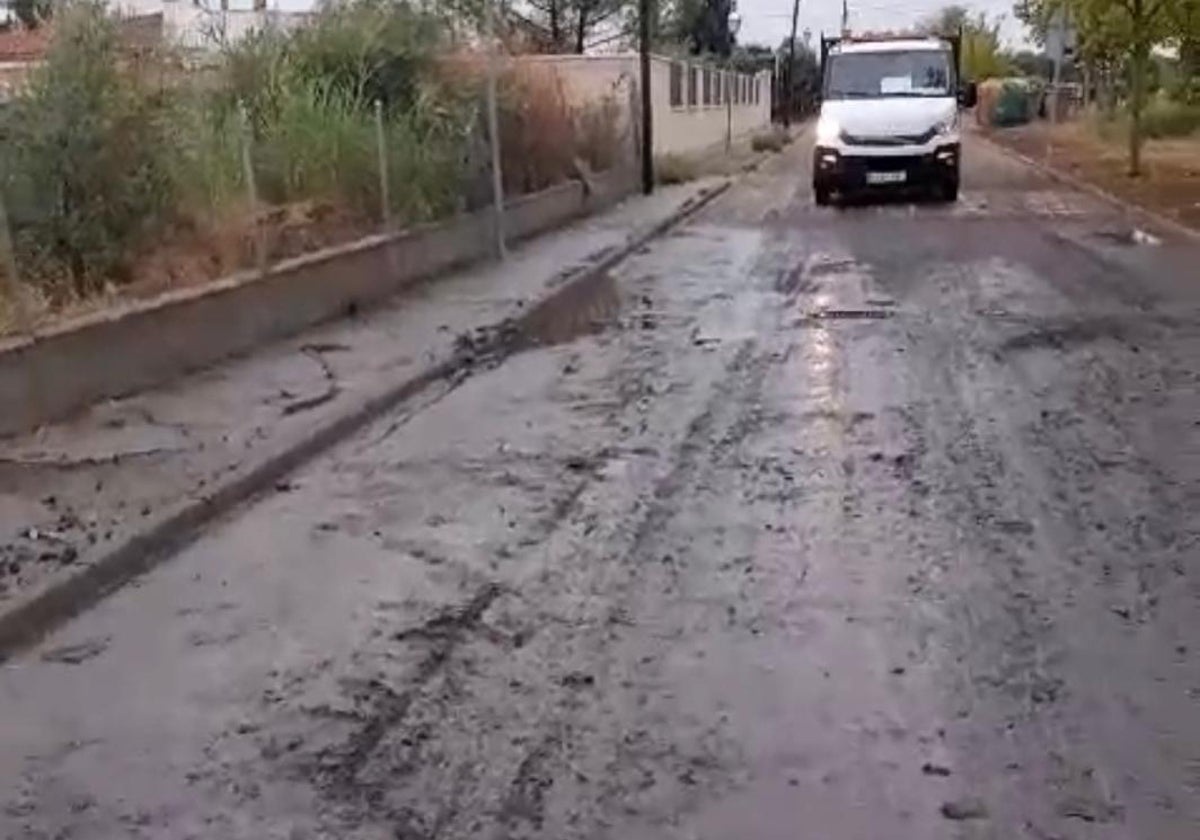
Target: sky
(769, 21)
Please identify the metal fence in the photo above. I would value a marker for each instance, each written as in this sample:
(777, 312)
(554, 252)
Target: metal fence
(191, 182)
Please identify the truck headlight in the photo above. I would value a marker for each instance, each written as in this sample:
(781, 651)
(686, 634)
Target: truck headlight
(828, 131)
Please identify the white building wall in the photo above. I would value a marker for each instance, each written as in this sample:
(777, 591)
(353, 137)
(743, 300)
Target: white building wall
(678, 128)
(205, 25)
(683, 127)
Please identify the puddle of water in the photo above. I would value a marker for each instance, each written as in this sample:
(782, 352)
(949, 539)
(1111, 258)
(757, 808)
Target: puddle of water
(585, 308)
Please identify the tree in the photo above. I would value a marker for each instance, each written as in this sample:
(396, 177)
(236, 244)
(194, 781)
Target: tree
(804, 77)
(701, 26)
(561, 26)
(982, 54)
(31, 13)
(1033, 64)
(1184, 18)
(1113, 33)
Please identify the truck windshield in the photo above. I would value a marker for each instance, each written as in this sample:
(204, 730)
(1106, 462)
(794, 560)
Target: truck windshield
(867, 75)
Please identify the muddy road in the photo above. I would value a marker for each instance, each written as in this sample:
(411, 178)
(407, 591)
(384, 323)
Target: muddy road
(878, 522)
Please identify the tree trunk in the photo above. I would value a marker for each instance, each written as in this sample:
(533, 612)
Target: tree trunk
(581, 30)
(1137, 96)
(555, 25)
(1109, 103)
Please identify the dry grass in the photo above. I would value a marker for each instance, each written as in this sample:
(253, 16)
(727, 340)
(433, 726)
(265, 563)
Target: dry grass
(1170, 183)
(676, 169)
(195, 256)
(773, 139)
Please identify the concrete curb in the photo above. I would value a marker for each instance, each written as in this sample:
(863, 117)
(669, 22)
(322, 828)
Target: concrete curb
(1080, 184)
(32, 617)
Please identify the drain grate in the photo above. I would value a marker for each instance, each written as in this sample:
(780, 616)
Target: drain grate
(851, 314)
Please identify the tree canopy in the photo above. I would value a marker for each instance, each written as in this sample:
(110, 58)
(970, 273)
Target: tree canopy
(983, 55)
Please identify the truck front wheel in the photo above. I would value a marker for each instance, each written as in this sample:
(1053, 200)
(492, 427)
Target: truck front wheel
(822, 195)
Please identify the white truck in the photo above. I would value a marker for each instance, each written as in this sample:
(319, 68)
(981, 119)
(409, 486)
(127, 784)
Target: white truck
(889, 116)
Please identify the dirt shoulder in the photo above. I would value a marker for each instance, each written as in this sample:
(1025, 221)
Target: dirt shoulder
(1170, 185)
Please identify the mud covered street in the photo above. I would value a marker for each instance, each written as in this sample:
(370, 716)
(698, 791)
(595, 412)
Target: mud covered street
(875, 522)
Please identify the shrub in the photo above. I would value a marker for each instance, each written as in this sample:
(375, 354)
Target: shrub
(310, 97)
(84, 158)
(675, 169)
(537, 129)
(772, 140)
(368, 50)
(601, 133)
(1167, 118)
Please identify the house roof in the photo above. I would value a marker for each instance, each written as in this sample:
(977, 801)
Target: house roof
(21, 45)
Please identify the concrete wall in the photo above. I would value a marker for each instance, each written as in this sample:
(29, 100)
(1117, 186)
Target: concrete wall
(679, 127)
(119, 352)
(684, 127)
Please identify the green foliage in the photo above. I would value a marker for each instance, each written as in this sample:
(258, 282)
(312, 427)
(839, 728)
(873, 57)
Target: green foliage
(206, 139)
(85, 173)
(1119, 35)
(1032, 64)
(32, 13)
(367, 50)
(1164, 118)
(675, 169)
(702, 26)
(99, 170)
(983, 56)
(804, 78)
(566, 26)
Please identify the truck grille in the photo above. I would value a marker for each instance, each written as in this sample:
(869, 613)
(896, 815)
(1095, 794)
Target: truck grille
(893, 140)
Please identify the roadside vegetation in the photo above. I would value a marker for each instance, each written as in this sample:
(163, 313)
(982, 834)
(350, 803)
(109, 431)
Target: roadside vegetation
(127, 170)
(1137, 61)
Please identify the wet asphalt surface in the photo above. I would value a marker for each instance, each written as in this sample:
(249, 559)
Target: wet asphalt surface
(876, 522)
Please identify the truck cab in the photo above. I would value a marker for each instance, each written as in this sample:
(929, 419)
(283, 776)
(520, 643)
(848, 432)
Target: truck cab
(889, 116)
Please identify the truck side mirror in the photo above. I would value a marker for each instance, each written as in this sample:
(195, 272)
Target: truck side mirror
(968, 94)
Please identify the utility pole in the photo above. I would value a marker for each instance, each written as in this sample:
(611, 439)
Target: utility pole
(845, 16)
(791, 67)
(644, 8)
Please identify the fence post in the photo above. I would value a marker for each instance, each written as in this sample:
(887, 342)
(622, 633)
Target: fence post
(385, 198)
(729, 83)
(494, 130)
(260, 235)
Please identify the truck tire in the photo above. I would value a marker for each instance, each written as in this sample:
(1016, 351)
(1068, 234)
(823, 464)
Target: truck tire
(822, 195)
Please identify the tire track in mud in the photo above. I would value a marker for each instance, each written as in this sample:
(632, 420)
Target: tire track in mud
(443, 632)
(1024, 494)
(359, 773)
(727, 416)
(999, 593)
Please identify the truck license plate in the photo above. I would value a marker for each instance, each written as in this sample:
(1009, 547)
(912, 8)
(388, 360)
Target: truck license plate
(887, 177)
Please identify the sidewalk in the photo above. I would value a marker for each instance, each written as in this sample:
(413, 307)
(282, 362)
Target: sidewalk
(75, 493)
(1168, 191)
